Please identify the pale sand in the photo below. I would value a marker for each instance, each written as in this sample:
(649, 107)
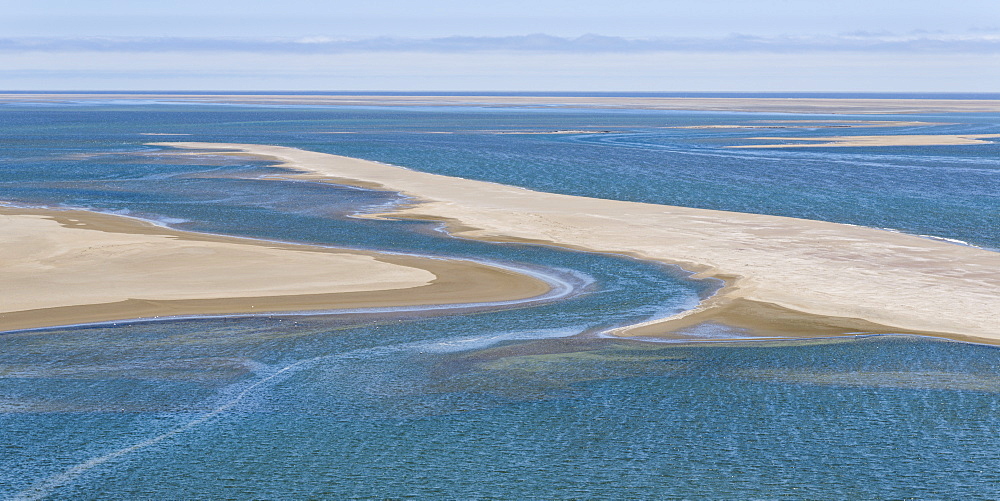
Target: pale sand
(786, 277)
(812, 124)
(66, 267)
(898, 140)
(776, 104)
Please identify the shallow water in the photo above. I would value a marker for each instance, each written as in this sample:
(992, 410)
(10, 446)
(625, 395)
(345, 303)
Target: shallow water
(507, 403)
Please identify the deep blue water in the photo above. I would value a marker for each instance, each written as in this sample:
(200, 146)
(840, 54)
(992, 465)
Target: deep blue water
(502, 403)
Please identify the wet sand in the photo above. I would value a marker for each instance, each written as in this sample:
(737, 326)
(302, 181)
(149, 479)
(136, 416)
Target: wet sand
(785, 277)
(774, 105)
(888, 140)
(70, 267)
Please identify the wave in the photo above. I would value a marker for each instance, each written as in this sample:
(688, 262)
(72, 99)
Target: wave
(939, 239)
(454, 345)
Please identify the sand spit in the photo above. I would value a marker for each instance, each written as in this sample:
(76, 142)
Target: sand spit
(898, 140)
(786, 277)
(775, 105)
(69, 267)
(812, 124)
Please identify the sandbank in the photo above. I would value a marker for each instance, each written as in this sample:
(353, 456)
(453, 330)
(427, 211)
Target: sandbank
(70, 267)
(728, 104)
(812, 124)
(785, 277)
(888, 140)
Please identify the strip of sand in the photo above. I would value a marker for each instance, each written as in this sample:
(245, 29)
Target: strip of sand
(68, 267)
(812, 124)
(728, 104)
(889, 140)
(786, 277)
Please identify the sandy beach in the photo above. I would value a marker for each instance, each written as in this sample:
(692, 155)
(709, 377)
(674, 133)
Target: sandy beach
(68, 267)
(887, 140)
(737, 104)
(785, 276)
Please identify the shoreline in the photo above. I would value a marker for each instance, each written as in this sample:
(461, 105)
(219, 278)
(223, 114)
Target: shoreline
(784, 276)
(863, 141)
(55, 258)
(804, 105)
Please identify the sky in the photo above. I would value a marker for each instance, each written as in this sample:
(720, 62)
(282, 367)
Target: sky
(540, 45)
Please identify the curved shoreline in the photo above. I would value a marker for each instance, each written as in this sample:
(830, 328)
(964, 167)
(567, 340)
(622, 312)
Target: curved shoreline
(787, 277)
(71, 267)
(561, 289)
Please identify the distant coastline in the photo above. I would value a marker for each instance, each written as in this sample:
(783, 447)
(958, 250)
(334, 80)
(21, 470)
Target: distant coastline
(745, 95)
(755, 102)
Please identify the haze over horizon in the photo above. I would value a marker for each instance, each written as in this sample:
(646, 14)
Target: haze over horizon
(554, 45)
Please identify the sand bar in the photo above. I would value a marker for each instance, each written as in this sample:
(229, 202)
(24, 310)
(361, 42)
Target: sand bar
(68, 267)
(737, 104)
(812, 124)
(888, 140)
(786, 276)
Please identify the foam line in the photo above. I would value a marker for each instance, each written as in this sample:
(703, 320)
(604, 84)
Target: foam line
(44, 488)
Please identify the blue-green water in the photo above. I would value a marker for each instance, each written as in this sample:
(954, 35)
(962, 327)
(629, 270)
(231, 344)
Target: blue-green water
(503, 403)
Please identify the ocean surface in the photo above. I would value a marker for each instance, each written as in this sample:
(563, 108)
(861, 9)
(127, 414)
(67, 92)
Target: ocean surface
(515, 402)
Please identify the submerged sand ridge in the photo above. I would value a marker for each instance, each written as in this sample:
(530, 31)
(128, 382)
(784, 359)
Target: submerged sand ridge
(66, 267)
(785, 276)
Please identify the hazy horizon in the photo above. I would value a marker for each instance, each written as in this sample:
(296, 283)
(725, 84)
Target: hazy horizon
(554, 45)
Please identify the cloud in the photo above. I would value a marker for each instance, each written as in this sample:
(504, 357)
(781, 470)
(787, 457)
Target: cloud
(984, 42)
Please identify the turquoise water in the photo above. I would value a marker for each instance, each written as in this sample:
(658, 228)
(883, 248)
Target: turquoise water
(490, 403)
